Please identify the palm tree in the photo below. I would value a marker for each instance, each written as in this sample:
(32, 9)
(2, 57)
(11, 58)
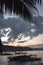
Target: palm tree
(24, 8)
(1, 51)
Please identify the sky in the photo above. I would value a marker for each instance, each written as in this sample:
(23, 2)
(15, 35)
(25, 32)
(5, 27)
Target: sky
(35, 36)
(35, 41)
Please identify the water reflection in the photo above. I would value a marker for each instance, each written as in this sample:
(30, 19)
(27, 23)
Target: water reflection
(25, 63)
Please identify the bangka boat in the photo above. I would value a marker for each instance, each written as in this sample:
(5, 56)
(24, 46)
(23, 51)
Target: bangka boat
(24, 58)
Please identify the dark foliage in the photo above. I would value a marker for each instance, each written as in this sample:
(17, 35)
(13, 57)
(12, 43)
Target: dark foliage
(0, 46)
(21, 7)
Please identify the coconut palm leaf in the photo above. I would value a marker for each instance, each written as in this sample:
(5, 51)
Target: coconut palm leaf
(24, 8)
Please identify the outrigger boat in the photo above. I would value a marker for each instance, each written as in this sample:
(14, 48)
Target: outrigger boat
(24, 58)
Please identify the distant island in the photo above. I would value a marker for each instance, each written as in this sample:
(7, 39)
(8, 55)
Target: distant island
(18, 48)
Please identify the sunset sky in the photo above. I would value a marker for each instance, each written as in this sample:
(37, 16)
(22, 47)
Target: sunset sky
(35, 41)
(38, 39)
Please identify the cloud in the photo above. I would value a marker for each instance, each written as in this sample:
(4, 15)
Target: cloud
(22, 30)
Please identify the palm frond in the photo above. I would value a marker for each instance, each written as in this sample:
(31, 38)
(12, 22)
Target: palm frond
(20, 7)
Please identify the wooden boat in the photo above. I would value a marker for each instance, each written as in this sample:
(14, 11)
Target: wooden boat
(24, 58)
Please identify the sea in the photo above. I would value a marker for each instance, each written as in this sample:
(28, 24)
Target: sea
(5, 61)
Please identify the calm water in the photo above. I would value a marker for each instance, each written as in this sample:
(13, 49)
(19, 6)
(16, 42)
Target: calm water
(5, 61)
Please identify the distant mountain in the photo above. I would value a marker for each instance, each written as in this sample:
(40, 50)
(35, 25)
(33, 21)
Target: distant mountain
(12, 48)
(37, 46)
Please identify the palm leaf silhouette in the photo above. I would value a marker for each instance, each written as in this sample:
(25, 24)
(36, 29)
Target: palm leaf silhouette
(24, 8)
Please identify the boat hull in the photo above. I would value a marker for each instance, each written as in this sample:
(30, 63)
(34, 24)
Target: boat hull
(24, 58)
